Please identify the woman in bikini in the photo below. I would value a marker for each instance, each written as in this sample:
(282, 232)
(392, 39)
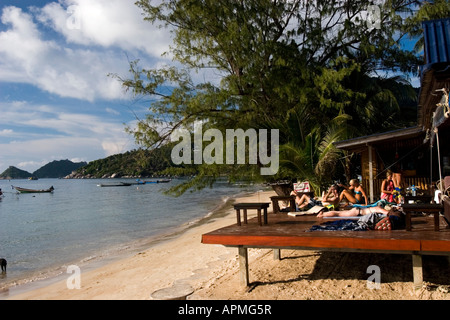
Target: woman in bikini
(388, 187)
(355, 194)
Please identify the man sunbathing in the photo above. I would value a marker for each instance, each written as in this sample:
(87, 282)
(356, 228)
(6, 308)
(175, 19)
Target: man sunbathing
(353, 212)
(394, 218)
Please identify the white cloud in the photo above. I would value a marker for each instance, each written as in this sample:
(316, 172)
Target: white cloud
(39, 46)
(63, 135)
(112, 111)
(6, 132)
(110, 31)
(106, 23)
(33, 154)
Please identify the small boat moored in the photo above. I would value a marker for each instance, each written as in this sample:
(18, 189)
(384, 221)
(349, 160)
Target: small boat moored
(120, 184)
(25, 190)
(159, 181)
(164, 180)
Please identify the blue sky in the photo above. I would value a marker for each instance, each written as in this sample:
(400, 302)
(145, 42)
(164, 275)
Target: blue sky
(56, 99)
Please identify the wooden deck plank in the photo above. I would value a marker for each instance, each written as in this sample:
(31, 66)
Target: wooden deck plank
(285, 231)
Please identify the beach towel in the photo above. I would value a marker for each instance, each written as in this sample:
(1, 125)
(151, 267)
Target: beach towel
(339, 225)
(313, 210)
(364, 223)
(379, 203)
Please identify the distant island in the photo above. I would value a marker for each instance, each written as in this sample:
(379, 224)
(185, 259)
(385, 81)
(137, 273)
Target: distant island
(54, 169)
(132, 164)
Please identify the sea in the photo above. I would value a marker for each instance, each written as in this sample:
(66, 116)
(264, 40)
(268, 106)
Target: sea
(81, 223)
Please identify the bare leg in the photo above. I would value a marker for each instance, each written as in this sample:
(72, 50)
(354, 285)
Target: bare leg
(397, 178)
(348, 196)
(344, 213)
(303, 202)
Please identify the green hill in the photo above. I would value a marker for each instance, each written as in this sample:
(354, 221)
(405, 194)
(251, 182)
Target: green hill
(58, 169)
(136, 163)
(55, 169)
(15, 173)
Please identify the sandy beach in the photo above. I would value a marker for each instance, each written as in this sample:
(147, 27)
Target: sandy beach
(212, 272)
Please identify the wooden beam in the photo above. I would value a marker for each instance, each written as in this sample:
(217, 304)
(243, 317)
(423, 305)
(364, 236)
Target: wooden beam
(276, 254)
(316, 242)
(243, 266)
(371, 195)
(417, 271)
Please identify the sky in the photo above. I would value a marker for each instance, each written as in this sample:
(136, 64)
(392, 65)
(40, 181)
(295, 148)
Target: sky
(57, 101)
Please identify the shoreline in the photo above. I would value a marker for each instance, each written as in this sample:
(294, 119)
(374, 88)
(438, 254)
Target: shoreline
(159, 246)
(212, 271)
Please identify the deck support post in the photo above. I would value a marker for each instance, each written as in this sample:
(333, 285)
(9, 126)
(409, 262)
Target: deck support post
(371, 193)
(417, 271)
(276, 254)
(243, 266)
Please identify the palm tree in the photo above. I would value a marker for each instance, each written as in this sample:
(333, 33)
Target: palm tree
(314, 157)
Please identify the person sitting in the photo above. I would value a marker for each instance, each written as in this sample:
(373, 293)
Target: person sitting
(330, 199)
(306, 202)
(388, 188)
(354, 194)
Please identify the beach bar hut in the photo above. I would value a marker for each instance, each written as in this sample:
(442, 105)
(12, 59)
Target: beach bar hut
(421, 153)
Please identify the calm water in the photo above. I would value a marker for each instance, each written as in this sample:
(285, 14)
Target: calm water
(40, 234)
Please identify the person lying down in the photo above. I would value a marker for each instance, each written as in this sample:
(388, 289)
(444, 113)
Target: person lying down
(353, 212)
(380, 218)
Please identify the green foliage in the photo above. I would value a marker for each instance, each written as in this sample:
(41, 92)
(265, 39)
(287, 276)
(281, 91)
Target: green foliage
(304, 67)
(136, 163)
(58, 169)
(15, 173)
(54, 169)
(427, 10)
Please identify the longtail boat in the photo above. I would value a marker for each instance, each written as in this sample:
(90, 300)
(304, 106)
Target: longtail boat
(25, 190)
(120, 184)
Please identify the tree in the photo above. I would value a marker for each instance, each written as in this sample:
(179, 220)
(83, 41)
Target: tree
(279, 62)
(428, 10)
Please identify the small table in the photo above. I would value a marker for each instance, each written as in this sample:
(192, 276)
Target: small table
(276, 207)
(435, 209)
(246, 206)
(423, 199)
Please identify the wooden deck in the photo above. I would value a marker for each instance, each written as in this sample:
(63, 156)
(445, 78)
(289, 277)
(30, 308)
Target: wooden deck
(286, 232)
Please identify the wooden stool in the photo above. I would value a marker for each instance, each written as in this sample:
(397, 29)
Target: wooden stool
(435, 209)
(245, 206)
(276, 207)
